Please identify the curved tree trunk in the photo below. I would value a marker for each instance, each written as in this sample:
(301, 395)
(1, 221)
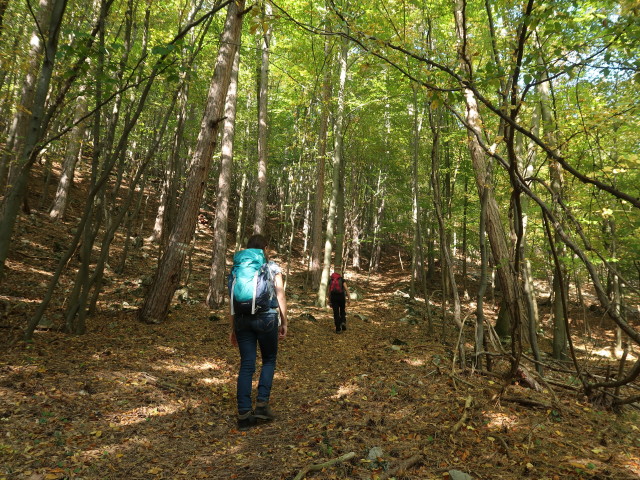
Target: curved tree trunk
(29, 150)
(495, 229)
(167, 278)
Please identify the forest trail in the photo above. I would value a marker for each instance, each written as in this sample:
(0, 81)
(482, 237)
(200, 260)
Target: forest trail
(135, 401)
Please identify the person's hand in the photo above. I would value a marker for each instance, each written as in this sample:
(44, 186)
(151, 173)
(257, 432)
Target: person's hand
(232, 338)
(282, 331)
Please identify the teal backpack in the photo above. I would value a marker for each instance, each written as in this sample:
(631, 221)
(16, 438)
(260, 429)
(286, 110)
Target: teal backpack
(250, 283)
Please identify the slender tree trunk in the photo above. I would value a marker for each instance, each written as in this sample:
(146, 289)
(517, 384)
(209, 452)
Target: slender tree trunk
(241, 214)
(374, 262)
(216, 295)
(167, 278)
(482, 287)
(328, 247)
(75, 323)
(131, 222)
(416, 268)
(71, 157)
(495, 229)
(17, 133)
(316, 238)
(261, 196)
(338, 157)
(465, 205)
(28, 153)
(447, 258)
(555, 170)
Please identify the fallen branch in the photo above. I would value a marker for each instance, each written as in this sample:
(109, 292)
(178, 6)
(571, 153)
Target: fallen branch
(400, 469)
(525, 377)
(465, 414)
(456, 378)
(320, 466)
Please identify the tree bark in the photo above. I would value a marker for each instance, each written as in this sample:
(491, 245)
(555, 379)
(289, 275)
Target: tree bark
(338, 157)
(555, 172)
(416, 266)
(29, 150)
(216, 295)
(495, 229)
(74, 147)
(316, 237)
(261, 196)
(167, 278)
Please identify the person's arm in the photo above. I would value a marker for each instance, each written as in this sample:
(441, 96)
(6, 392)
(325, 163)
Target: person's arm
(232, 333)
(346, 291)
(282, 304)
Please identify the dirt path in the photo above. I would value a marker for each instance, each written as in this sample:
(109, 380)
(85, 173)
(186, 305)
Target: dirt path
(134, 401)
(141, 402)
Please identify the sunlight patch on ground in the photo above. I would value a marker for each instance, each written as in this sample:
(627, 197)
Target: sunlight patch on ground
(606, 352)
(103, 450)
(171, 366)
(500, 420)
(142, 414)
(19, 299)
(13, 265)
(415, 362)
(346, 390)
(114, 449)
(213, 381)
(280, 375)
(164, 349)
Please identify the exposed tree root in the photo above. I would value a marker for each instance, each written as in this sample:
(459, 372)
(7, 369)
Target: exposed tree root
(320, 466)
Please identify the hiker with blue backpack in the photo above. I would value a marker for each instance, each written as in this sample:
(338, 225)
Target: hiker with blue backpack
(258, 320)
(338, 299)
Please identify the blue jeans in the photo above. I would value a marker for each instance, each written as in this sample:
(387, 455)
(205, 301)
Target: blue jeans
(253, 331)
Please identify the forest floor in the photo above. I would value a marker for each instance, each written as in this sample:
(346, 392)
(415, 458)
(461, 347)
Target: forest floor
(383, 400)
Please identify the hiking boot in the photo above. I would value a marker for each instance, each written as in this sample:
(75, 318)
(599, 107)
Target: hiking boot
(246, 421)
(338, 330)
(264, 412)
(343, 326)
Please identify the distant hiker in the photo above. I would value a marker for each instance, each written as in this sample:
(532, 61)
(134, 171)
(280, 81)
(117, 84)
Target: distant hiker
(338, 298)
(257, 296)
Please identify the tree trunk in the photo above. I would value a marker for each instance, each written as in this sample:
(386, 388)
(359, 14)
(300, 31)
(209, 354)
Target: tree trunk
(447, 258)
(416, 267)
(74, 148)
(28, 152)
(261, 196)
(555, 171)
(20, 123)
(167, 278)
(495, 229)
(338, 158)
(216, 295)
(374, 262)
(316, 237)
(241, 214)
